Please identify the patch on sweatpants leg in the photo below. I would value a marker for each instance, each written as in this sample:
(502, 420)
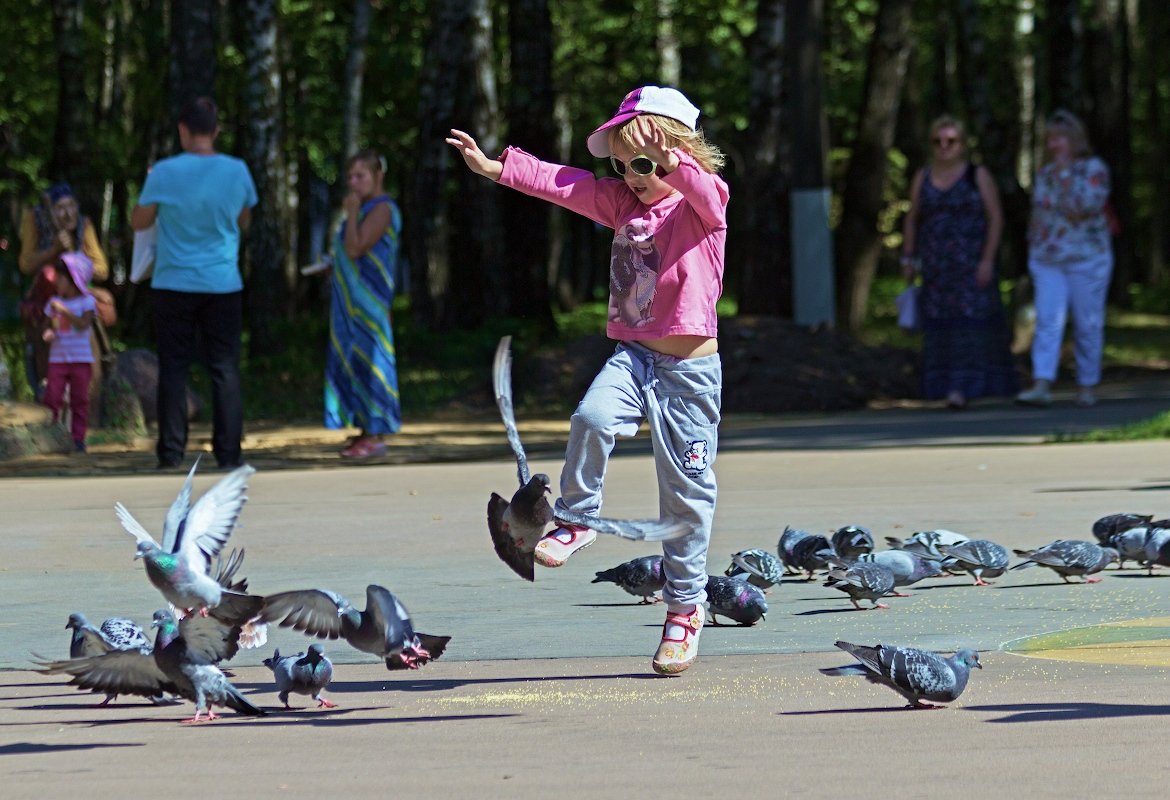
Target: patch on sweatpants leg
(695, 459)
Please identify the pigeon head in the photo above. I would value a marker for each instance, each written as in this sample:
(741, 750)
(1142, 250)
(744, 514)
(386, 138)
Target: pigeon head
(968, 658)
(349, 613)
(752, 601)
(145, 549)
(1111, 554)
(76, 620)
(168, 629)
(315, 653)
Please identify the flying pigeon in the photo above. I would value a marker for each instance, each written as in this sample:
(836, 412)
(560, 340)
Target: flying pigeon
(305, 673)
(851, 541)
(926, 543)
(1106, 527)
(182, 662)
(1067, 558)
(812, 553)
(759, 567)
(192, 537)
(1157, 548)
(383, 629)
(735, 599)
(641, 577)
(1130, 545)
(980, 557)
(786, 547)
(915, 674)
(908, 568)
(517, 525)
(862, 581)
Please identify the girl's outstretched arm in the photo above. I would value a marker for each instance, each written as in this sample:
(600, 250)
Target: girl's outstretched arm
(477, 162)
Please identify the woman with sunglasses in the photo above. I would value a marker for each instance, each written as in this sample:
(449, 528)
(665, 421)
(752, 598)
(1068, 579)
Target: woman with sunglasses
(668, 209)
(1070, 259)
(950, 236)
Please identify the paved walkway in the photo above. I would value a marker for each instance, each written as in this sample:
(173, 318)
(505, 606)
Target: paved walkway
(546, 688)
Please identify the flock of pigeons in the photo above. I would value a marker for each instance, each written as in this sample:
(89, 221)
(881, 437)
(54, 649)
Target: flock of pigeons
(212, 615)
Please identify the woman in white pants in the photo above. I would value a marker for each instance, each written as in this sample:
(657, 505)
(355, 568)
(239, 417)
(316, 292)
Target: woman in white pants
(1070, 259)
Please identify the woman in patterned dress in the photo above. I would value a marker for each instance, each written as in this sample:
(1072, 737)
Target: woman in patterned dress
(951, 234)
(361, 378)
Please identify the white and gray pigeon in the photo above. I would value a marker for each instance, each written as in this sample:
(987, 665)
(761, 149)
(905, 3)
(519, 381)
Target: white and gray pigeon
(1111, 524)
(641, 577)
(758, 567)
(926, 543)
(735, 599)
(383, 629)
(908, 568)
(182, 662)
(516, 526)
(304, 673)
(1069, 557)
(193, 536)
(851, 541)
(1130, 545)
(917, 675)
(862, 581)
(981, 558)
(1157, 548)
(115, 633)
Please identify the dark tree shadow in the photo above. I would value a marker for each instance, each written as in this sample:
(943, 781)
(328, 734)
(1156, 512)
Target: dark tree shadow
(29, 748)
(1061, 712)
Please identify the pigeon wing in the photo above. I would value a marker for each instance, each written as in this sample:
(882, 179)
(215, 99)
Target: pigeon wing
(131, 525)
(212, 519)
(520, 562)
(210, 638)
(312, 611)
(389, 616)
(115, 672)
(918, 672)
(638, 530)
(502, 382)
(177, 513)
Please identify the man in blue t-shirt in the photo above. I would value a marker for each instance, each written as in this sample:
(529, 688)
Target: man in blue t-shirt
(200, 200)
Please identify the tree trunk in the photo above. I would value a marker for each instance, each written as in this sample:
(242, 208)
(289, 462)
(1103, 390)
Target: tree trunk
(1063, 35)
(355, 70)
(194, 37)
(267, 279)
(763, 254)
(858, 241)
(669, 57)
(73, 132)
(1155, 31)
(530, 126)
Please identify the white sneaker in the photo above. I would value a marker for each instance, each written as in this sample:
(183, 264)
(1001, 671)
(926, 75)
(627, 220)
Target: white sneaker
(1038, 395)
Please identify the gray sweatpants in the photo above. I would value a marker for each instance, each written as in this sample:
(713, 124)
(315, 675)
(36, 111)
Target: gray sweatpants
(681, 400)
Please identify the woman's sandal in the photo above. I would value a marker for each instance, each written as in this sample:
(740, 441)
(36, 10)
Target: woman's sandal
(365, 448)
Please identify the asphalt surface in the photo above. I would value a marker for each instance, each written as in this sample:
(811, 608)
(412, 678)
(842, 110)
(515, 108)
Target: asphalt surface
(546, 687)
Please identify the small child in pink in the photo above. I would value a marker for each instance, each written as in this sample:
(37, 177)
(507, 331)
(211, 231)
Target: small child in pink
(69, 314)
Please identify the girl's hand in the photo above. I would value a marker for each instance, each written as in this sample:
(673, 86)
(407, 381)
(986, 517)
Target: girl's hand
(649, 139)
(476, 161)
(351, 204)
(48, 335)
(57, 306)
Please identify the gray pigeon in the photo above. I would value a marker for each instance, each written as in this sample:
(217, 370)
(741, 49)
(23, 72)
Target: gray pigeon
(517, 525)
(182, 662)
(641, 577)
(811, 553)
(908, 568)
(851, 541)
(1065, 558)
(1130, 545)
(115, 633)
(305, 673)
(862, 581)
(915, 674)
(1157, 548)
(926, 543)
(383, 629)
(759, 567)
(786, 547)
(980, 557)
(735, 599)
(1105, 528)
(193, 536)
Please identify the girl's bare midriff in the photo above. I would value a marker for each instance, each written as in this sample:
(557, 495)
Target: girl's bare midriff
(683, 346)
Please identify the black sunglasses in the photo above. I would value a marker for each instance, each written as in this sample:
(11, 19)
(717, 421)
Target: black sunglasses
(640, 165)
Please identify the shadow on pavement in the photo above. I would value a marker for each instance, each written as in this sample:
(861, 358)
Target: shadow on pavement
(28, 748)
(1058, 712)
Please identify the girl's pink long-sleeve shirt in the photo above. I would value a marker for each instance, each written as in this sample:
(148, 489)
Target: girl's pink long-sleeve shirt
(666, 263)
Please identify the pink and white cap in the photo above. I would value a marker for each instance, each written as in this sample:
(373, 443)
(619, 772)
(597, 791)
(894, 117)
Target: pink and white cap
(661, 100)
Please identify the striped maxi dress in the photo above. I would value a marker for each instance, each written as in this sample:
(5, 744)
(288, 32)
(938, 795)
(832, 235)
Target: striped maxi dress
(361, 378)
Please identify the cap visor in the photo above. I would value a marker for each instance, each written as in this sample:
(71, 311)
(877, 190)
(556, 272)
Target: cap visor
(598, 141)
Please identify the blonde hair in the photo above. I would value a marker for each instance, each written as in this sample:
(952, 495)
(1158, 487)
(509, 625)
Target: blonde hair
(1068, 123)
(694, 142)
(948, 121)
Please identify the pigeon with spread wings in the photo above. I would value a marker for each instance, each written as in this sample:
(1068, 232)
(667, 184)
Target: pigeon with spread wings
(517, 525)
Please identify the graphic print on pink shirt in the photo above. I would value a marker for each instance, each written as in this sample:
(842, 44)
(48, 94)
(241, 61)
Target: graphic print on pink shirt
(633, 273)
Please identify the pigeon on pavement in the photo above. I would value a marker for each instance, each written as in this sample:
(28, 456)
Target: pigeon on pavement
(811, 553)
(383, 629)
(1106, 527)
(181, 662)
(862, 581)
(786, 547)
(926, 543)
(1130, 545)
(305, 673)
(851, 541)
(908, 568)
(980, 557)
(915, 674)
(115, 633)
(1069, 557)
(759, 567)
(641, 577)
(1157, 548)
(192, 537)
(735, 599)
(517, 525)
